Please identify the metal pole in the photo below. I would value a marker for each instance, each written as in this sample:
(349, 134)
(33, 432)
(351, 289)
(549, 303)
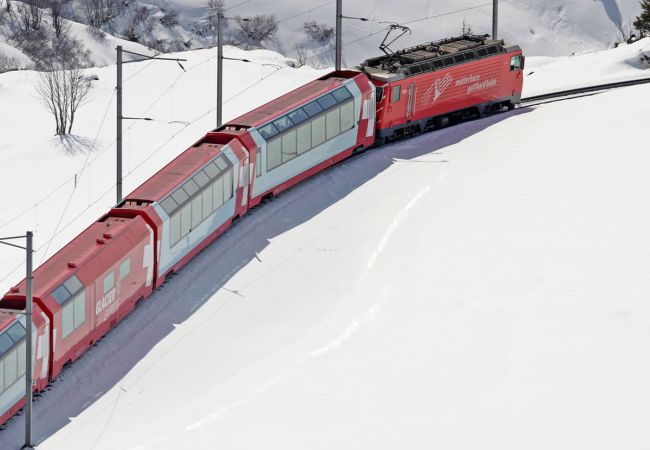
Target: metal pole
(118, 182)
(220, 20)
(29, 346)
(495, 17)
(339, 15)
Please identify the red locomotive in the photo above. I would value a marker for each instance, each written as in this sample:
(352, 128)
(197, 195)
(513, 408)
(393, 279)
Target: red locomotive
(94, 281)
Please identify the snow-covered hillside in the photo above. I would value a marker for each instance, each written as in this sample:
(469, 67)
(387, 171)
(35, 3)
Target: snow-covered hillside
(483, 286)
(541, 27)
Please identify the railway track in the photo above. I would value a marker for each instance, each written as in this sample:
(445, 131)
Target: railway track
(578, 92)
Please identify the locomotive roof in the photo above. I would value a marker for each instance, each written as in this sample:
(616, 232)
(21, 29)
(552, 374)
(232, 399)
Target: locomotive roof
(432, 56)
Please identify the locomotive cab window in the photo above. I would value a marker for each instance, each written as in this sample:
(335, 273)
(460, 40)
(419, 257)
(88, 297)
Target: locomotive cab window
(515, 62)
(380, 94)
(395, 93)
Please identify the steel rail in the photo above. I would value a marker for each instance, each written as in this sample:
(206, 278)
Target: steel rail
(577, 92)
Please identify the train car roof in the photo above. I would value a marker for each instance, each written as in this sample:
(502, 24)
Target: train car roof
(6, 318)
(275, 108)
(98, 240)
(433, 56)
(179, 169)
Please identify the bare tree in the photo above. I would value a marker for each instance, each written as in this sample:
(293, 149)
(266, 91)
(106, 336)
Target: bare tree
(318, 32)
(61, 27)
(28, 17)
(302, 55)
(8, 63)
(257, 29)
(99, 12)
(136, 23)
(62, 92)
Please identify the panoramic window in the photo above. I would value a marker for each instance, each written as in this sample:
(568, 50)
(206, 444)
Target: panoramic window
(309, 126)
(199, 197)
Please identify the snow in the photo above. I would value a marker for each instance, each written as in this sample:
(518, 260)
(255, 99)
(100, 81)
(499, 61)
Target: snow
(482, 286)
(540, 27)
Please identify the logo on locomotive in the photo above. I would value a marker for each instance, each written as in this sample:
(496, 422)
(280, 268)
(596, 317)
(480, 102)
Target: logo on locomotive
(437, 88)
(107, 305)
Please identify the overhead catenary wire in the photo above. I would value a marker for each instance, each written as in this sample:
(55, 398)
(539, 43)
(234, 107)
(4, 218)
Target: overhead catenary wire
(236, 5)
(422, 19)
(80, 173)
(59, 228)
(75, 177)
(307, 11)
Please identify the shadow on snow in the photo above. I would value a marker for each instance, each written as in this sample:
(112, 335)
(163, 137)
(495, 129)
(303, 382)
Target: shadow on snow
(103, 366)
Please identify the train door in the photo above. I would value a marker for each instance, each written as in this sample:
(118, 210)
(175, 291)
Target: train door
(516, 72)
(411, 100)
(244, 182)
(397, 105)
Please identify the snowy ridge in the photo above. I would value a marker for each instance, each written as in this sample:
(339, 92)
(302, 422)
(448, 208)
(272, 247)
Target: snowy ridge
(541, 27)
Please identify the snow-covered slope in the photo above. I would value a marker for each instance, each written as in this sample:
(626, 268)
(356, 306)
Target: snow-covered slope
(65, 184)
(541, 27)
(483, 286)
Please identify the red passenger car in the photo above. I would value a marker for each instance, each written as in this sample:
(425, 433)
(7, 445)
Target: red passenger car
(305, 131)
(191, 200)
(90, 284)
(425, 87)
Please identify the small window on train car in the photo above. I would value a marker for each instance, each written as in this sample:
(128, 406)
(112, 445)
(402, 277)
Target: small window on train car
(341, 94)
(469, 56)
(312, 109)
(109, 282)
(282, 124)
(298, 116)
(5, 343)
(395, 93)
(125, 268)
(169, 205)
(438, 63)
(459, 58)
(222, 163)
(327, 101)
(448, 61)
(380, 93)
(211, 170)
(268, 131)
(190, 187)
(72, 284)
(415, 69)
(492, 50)
(61, 294)
(201, 178)
(16, 332)
(515, 62)
(482, 52)
(179, 196)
